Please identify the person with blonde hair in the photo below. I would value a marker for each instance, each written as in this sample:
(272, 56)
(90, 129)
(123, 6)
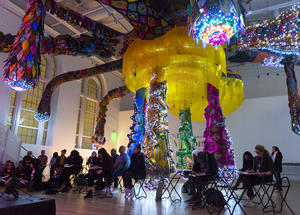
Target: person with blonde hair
(263, 167)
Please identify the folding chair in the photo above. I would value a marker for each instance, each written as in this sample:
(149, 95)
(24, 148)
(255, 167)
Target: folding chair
(108, 193)
(121, 187)
(171, 187)
(283, 194)
(226, 185)
(270, 205)
(141, 193)
(80, 183)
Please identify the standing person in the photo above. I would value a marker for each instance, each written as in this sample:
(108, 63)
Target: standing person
(61, 160)
(121, 165)
(27, 159)
(73, 166)
(92, 161)
(43, 160)
(52, 164)
(277, 161)
(103, 170)
(263, 167)
(136, 170)
(248, 160)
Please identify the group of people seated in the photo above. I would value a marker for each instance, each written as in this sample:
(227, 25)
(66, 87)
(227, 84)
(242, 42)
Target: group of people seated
(256, 170)
(28, 173)
(260, 169)
(106, 169)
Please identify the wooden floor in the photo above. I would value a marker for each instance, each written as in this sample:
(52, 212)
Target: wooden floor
(73, 203)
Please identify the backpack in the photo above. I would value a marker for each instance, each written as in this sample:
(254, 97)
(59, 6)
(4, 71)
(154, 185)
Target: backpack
(214, 197)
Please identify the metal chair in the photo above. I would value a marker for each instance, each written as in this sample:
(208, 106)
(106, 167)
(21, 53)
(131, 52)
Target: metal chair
(141, 193)
(171, 187)
(283, 194)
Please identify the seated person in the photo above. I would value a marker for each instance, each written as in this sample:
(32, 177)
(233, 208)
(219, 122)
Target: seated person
(204, 170)
(61, 160)
(52, 164)
(263, 166)
(72, 166)
(247, 166)
(102, 170)
(21, 174)
(35, 177)
(92, 161)
(8, 178)
(121, 165)
(136, 171)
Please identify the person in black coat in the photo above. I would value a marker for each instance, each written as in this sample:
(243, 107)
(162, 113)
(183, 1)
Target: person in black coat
(35, 176)
(277, 162)
(103, 170)
(248, 162)
(205, 169)
(136, 170)
(73, 166)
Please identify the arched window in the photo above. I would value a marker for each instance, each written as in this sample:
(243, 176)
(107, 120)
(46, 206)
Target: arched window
(23, 105)
(87, 113)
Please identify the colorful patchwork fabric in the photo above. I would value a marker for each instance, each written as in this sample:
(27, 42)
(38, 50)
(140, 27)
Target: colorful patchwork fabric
(22, 68)
(216, 136)
(142, 16)
(43, 112)
(293, 95)
(68, 45)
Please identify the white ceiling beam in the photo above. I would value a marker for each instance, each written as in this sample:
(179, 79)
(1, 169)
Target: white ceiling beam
(66, 24)
(273, 7)
(19, 12)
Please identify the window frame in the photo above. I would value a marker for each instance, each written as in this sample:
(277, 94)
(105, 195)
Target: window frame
(81, 110)
(50, 70)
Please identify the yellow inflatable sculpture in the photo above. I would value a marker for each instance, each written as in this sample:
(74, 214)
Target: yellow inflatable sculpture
(186, 68)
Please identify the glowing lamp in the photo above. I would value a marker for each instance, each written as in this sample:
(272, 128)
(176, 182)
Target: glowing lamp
(41, 117)
(215, 22)
(19, 86)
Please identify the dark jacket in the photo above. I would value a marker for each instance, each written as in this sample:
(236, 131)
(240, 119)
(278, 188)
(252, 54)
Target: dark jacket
(264, 164)
(76, 161)
(137, 166)
(278, 162)
(107, 166)
(114, 158)
(248, 164)
(92, 161)
(211, 168)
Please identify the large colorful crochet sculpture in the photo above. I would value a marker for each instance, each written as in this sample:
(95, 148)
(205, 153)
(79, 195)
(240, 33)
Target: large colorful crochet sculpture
(186, 68)
(187, 140)
(215, 134)
(138, 120)
(98, 139)
(293, 93)
(22, 67)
